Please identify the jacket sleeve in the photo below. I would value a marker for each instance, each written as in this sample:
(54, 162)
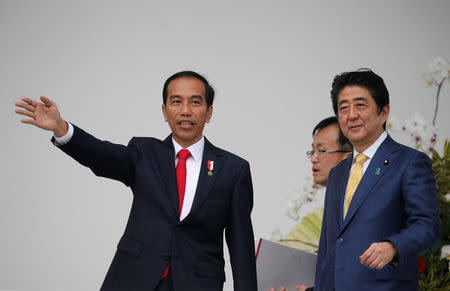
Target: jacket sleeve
(323, 237)
(421, 208)
(239, 233)
(104, 158)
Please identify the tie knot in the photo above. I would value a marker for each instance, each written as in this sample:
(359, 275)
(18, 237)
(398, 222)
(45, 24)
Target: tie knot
(360, 159)
(184, 154)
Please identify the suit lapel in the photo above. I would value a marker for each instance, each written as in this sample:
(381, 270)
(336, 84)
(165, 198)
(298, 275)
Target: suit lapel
(166, 163)
(205, 180)
(372, 175)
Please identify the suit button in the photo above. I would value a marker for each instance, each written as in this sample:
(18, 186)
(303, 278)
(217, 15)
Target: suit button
(340, 240)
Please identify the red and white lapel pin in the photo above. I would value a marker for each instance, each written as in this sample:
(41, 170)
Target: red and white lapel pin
(210, 167)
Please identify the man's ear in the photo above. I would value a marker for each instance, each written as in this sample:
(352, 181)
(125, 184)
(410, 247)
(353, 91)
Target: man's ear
(164, 112)
(209, 113)
(385, 112)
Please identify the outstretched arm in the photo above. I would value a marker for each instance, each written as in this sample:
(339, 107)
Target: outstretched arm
(103, 158)
(43, 114)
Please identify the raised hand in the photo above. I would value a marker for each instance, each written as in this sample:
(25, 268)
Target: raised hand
(44, 115)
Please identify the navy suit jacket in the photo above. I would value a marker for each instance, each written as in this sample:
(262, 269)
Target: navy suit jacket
(154, 234)
(395, 201)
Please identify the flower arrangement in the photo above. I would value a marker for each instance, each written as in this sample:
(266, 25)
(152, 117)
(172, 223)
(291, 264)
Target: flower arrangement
(435, 274)
(434, 263)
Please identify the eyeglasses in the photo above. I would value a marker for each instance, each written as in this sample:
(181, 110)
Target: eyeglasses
(321, 153)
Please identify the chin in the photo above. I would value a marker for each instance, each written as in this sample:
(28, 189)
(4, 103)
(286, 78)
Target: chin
(318, 182)
(355, 138)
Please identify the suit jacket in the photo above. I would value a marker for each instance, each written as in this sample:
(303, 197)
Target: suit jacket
(154, 234)
(395, 201)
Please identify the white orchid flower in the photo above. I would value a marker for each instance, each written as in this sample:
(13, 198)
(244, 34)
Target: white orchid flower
(447, 197)
(445, 252)
(429, 79)
(437, 65)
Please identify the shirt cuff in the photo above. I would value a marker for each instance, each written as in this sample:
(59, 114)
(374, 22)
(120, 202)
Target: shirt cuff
(60, 141)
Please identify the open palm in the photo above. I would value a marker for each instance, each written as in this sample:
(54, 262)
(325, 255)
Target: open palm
(44, 115)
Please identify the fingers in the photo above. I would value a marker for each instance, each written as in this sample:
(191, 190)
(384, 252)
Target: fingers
(378, 264)
(29, 121)
(378, 255)
(374, 262)
(33, 103)
(282, 288)
(29, 101)
(25, 106)
(25, 112)
(301, 287)
(47, 101)
(366, 255)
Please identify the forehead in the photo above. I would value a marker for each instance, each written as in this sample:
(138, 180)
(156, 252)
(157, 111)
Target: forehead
(186, 86)
(350, 93)
(327, 136)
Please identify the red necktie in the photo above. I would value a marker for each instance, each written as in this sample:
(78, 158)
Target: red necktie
(181, 175)
(181, 182)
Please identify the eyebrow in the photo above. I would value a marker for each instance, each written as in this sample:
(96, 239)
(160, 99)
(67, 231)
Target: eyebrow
(355, 99)
(319, 144)
(193, 96)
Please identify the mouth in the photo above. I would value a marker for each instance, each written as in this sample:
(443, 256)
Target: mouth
(355, 127)
(185, 124)
(315, 171)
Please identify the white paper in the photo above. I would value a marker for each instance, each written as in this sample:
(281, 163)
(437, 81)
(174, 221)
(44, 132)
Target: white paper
(279, 265)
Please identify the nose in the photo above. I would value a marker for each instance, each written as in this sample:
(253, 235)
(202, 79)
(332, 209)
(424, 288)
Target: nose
(186, 109)
(313, 159)
(353, 114)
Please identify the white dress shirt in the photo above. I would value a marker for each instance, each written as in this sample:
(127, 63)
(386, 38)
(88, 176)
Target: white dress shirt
(193, 164)
(369, 152)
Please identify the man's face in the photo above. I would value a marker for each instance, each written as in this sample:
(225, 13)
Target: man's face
(358, 116)
(326, 139)
(186, 110)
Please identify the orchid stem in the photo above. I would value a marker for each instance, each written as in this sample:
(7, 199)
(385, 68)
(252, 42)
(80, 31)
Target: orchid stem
(437, 99)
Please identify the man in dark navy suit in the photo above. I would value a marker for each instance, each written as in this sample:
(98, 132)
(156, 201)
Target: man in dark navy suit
(381, 207)
(186, 193)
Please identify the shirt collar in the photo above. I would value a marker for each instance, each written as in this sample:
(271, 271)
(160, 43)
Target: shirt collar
(195, 149)
(372, 149)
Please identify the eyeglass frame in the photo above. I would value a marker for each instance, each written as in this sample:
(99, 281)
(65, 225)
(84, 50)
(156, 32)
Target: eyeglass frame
(320, 153)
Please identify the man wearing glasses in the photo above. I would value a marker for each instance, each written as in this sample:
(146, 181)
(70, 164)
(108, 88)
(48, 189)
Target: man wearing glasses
(329, 148)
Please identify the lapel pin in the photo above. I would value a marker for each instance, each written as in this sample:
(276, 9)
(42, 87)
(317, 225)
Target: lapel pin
(210, 167)
(386, 162)
(377, 172)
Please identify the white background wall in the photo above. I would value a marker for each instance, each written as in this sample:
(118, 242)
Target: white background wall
(104, 63)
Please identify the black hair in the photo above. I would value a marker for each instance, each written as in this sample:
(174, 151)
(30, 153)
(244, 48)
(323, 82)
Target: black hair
(209, 91)
(342, 141)
(365, 78)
